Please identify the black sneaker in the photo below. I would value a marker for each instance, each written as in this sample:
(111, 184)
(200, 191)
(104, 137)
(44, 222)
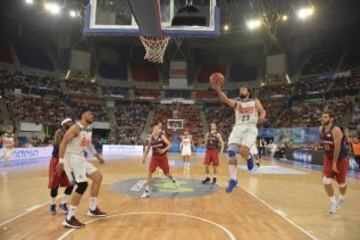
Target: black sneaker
(207, 179)
(73, 223)
(53, 209)
(214, 181)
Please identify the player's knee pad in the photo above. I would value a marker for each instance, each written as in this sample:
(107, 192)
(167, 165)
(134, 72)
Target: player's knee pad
(326, 180)
(69, 190)
(342, 185)
(81, 187)
(54, 192)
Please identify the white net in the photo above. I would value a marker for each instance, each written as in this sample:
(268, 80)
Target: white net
(155, 48)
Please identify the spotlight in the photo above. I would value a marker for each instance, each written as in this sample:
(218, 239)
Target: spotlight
(73, 14)
(53, 8)
(253, 24)
(226, 27)
(284, 18)
(29, 1)
(305, 12)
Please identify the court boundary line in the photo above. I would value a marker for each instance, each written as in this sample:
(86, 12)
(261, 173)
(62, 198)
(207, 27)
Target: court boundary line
(224, 229)
(307, 233)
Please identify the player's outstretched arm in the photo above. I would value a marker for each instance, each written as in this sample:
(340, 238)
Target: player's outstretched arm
(147, 149)
(223, 97)
(262, 112)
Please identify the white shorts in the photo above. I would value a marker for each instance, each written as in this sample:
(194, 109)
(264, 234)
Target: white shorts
(186, 151)
(77, 168)
(243, 135)
(5, 153)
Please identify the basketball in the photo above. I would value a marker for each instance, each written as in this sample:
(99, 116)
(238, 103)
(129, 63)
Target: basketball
(217, 78)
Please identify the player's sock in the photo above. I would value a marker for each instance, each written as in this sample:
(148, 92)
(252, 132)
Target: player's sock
(93, 203)
(332, 199)
(147, 189)
(65, 199)
(53, 201)
(71, 212)
(341, 197)
(233, 172)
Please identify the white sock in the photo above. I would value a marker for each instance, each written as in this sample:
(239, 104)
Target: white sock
(65, 199)
(53, 201)
(93, 203)
(147, 189)
(341, 197)
(71, 212)
(233, 172)
(332, 199)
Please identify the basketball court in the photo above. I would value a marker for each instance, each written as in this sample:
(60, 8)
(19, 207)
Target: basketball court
(277, 201)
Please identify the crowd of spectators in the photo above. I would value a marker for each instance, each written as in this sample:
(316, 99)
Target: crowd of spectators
(116, 92)
(323, 62)
(131, 119)
(82, 87)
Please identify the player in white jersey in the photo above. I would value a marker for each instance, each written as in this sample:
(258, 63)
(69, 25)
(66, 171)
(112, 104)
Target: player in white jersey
(9, 141)
(186, 145)
(77, 168)
(248, 113)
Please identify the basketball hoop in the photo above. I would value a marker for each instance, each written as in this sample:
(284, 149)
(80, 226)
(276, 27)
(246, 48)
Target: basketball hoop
(155, 48)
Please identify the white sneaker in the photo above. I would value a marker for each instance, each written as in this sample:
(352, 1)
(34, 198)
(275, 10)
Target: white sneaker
(333, 208)
(176, 184)
(339, 202)
(145, 195)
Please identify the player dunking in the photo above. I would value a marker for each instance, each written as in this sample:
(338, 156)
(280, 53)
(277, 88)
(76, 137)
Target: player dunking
(336, 159)
(160, 145)
(248, 113)
(72, 159)
(9, 141)
(212, 140)
(59, 179)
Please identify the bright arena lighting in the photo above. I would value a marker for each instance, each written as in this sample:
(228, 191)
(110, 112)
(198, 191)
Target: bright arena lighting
(253, 24)
(72, 13)
(29, 1)
(284, 18)
(226, 27)
(53, 8)
(305, 12)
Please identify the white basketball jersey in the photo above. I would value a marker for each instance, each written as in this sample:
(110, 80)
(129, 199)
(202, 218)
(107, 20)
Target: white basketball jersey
(186, 142)
(82, 141)
(8, 140)
(246, 112)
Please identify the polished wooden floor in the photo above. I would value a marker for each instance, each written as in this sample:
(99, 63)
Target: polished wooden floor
(267, 206)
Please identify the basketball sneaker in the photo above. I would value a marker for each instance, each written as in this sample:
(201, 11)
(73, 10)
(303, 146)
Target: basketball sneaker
(63, 208)
(96, 213)
(231, 186)
(333, 207)
(214, 181)
(250, 163)
(53, 209)
(207, 180)
(73, 223)
(176, 184)
(146, 194)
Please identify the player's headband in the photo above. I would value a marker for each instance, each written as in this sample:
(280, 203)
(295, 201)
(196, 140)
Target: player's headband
(65, 121)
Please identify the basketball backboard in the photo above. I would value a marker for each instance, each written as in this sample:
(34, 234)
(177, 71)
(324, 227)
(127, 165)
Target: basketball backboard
(114, 17)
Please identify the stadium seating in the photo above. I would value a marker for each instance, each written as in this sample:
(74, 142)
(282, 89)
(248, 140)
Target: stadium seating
(322, 62)
(5, 54)
(117, 92)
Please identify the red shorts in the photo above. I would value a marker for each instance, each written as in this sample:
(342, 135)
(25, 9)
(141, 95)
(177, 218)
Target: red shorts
(161, 162)
(342, 166)
(55, 180)
(212, 157)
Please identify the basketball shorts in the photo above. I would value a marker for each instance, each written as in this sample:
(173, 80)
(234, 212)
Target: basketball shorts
(5, 153)
(212, 157)
(243, 135)
(342, 166)
(161, 162)
(54, 179)
(186, 151)
(77, 168)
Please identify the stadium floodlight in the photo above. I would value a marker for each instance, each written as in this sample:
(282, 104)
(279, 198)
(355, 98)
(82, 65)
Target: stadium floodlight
(53, 8)
(29, 1)
(73, 14)
(253, 24)
(226, 27)
(284, 17)
(305, 12)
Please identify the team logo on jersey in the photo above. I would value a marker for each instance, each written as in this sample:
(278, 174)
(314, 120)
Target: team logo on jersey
(246, 110)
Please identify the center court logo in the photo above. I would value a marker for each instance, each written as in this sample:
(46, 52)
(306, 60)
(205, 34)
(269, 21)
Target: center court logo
(164, 188)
